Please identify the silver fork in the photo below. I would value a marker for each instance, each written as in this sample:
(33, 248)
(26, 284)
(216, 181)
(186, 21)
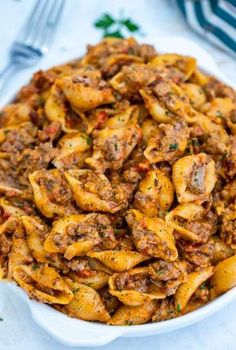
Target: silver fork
(34, 38)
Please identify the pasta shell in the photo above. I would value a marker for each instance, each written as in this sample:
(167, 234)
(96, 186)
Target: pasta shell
(119, 59)
(199, 77)
(15, 114)
(187, 289)
(82, 96)
(9, 209)
(113, 146)
(119, 260)
(157, 109)
(37, 280)
(155, 194)
(59, 233)
(168, 143)
(185, 64)
(152, 236)
(75, 235)
(117, 82)
(97, 280)
(188, 212)
(195, 94)
(194, 177)
(134, 297)
(133, 315)
(73, 150)
(43, 183)
(224, 277)
(19, 255)
(86, 186)
(87, 304)
(129, 116)
(221, 250)
(218, 109)
(55, 108)
(149, 129)
(36, 232)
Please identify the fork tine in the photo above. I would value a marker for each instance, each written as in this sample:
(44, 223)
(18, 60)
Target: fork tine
(39, 22)
(33, 17)
(49, 28)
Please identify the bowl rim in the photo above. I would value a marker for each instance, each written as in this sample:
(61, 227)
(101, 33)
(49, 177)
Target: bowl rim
(60, 325)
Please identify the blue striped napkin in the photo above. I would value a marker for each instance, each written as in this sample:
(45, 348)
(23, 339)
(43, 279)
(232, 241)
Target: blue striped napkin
(215, 19)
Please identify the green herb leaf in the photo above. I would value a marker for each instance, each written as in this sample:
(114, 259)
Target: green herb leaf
(89, 141)
(220, 115)
(113, 27)
(203, 286)
(195, 142)
(130, 25)
(223, 156)
(105, 21)
(173, 146)
(115, 34)
(178, 307)
(75, 290)
(129, 323)
(35, 267)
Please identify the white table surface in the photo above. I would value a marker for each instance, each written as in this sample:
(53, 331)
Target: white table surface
(157, 18)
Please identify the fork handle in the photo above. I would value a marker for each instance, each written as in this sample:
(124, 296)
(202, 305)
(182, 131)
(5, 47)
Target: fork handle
(6, 74)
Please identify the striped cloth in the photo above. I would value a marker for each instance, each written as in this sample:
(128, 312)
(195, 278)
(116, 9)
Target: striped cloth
(215, 19)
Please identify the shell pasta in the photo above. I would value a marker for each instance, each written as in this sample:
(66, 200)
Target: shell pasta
(118, 186)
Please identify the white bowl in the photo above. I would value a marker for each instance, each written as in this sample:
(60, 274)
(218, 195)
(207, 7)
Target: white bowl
(75, 332)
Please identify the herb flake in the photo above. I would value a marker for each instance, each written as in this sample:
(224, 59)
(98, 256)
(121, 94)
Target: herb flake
(173, 146)
(35, 267)
(178, 308)
(75, 290)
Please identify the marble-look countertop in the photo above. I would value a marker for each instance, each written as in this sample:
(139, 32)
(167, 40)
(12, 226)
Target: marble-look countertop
(157, 18)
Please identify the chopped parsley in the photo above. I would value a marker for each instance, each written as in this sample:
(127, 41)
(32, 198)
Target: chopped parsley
(173, 146)
(220, 115)
(203, 285)
(88, 140)
(75, 290)
(129, 323)
(35, 267)
(178, 308)
(195, 142)
(223, 156)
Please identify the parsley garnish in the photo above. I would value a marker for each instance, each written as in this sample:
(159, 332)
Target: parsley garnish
(87, 138)
(75, 290)
(35, 267)
(203, 286)
(89, 141)
(173, 146)
(115, 27)
(195, 142)
(129, 323)
(220, 115)
(178, 307)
